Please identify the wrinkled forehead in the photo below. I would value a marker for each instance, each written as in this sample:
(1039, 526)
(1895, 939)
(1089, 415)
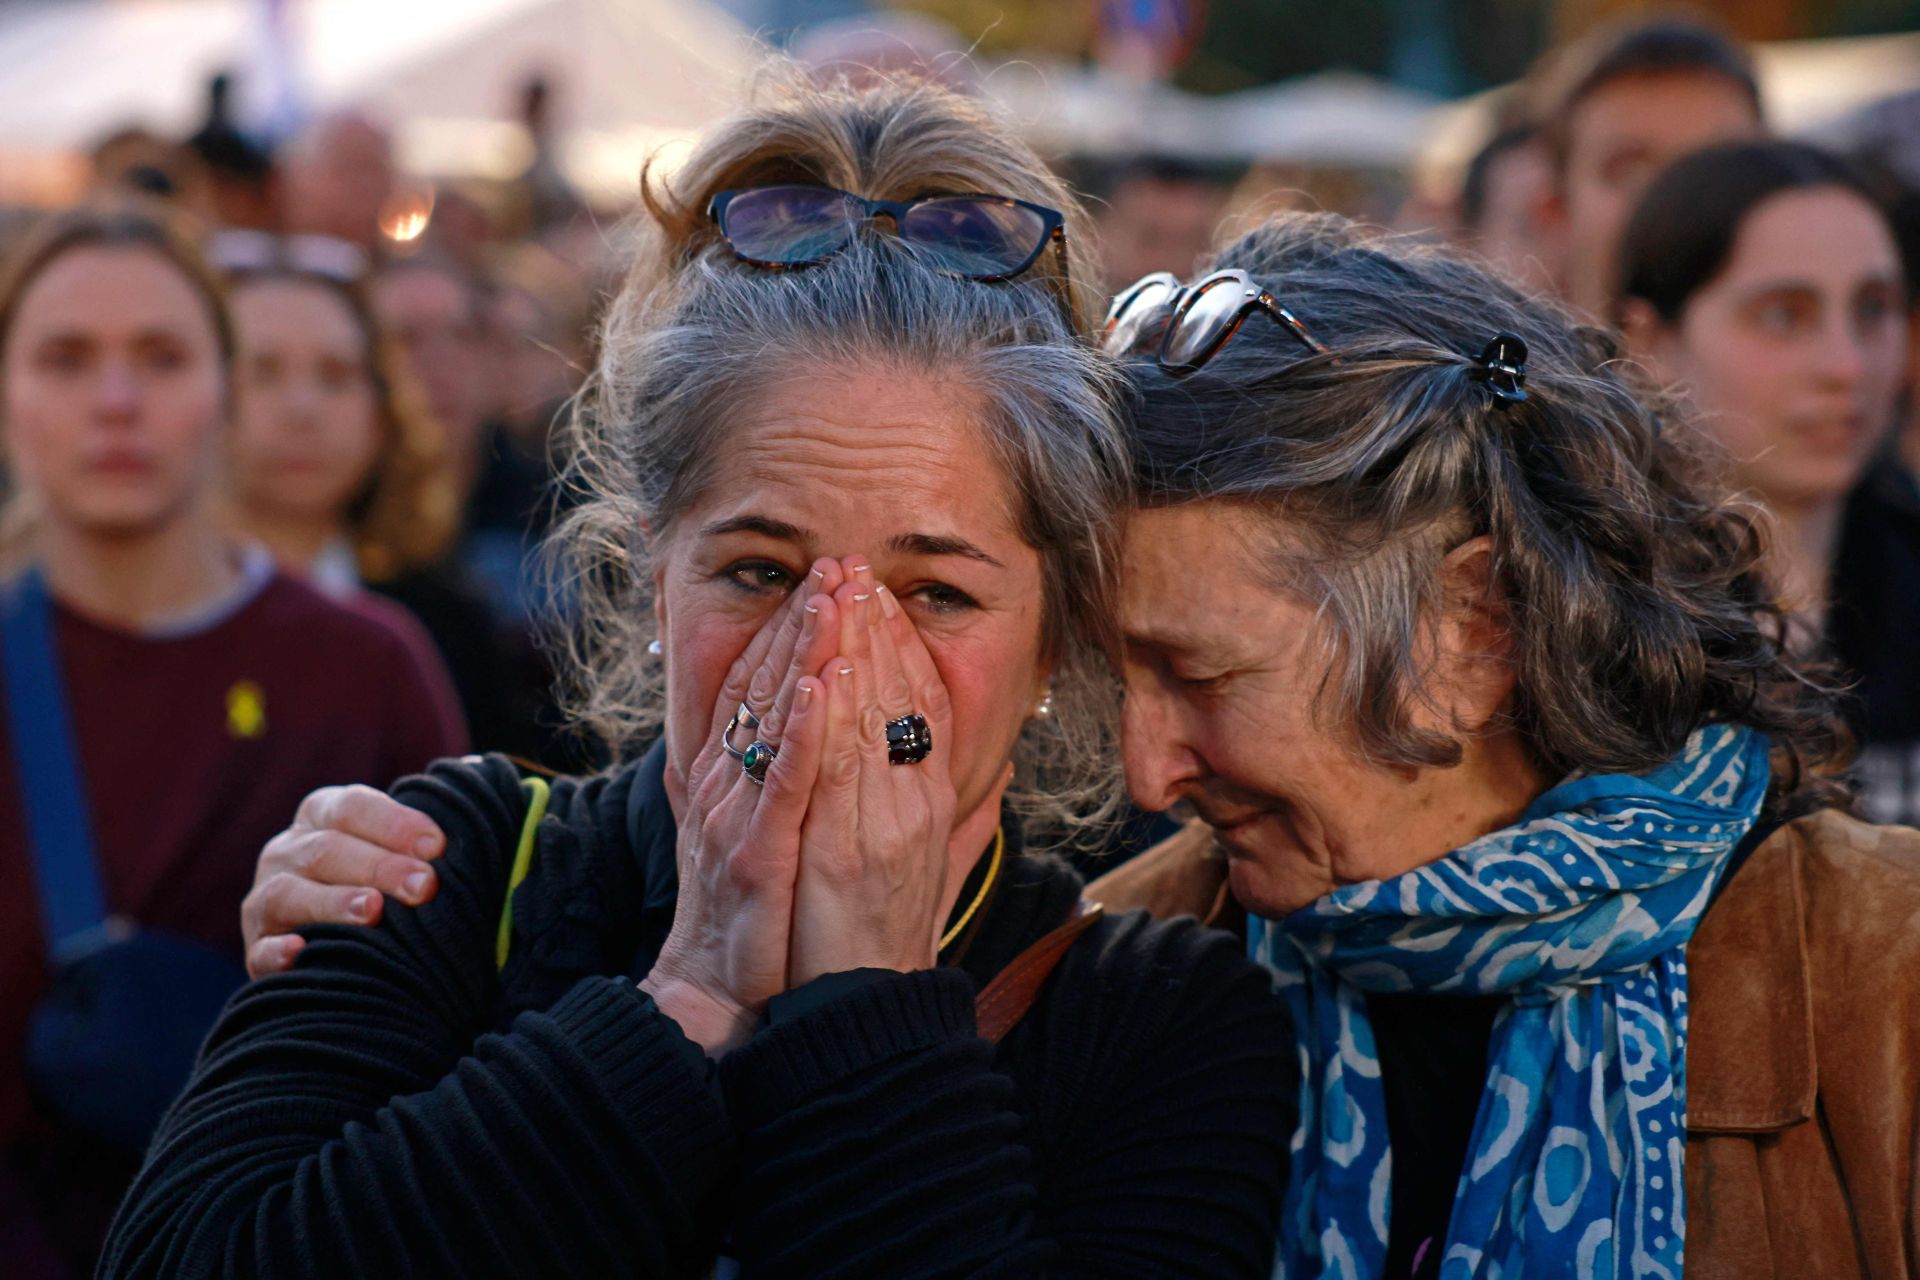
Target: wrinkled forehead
(1194, 569)
(855, 461)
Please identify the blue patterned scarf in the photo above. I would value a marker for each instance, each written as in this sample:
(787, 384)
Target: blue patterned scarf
(1581, 912)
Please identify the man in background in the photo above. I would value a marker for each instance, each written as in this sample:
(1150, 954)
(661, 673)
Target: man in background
(1616, 108)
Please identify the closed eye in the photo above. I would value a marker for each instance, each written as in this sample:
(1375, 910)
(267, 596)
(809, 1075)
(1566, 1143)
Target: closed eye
(1196, 677)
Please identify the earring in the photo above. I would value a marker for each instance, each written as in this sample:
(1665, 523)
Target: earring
(653, 647)
(1045, 708)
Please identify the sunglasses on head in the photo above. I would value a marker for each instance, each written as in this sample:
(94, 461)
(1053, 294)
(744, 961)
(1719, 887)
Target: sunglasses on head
(980, 237)
(239, 253)
(1199, 318)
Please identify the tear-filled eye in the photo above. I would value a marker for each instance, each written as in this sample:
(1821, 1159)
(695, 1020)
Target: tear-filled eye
(941, 598)
(759, 577)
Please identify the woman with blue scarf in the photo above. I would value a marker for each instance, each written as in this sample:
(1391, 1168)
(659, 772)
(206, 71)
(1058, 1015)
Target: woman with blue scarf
(1442, 625)
(1439, 623)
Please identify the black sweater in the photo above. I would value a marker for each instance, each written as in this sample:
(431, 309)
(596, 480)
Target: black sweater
(396, 1106)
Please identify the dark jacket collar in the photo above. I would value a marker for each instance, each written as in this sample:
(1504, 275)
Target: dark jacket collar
(651, 830)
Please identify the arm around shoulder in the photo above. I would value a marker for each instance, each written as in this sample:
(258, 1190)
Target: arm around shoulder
(355, 1116)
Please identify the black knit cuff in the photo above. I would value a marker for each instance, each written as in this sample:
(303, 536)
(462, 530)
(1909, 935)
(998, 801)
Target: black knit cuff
(796, 1059)
(821, 992)
(652, 1073)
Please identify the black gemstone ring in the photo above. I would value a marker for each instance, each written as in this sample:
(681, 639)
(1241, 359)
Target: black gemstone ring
(909, 739)
(756, 759)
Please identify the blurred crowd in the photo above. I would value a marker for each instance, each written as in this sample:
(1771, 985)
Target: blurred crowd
(402, 351)
(280, 438)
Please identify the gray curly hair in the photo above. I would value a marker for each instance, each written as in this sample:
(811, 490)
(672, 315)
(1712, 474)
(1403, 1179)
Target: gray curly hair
(1638, 605)
(695, 337)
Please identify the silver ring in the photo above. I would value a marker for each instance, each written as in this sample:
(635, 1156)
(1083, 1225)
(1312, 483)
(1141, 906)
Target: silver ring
(756, 759)
(743, 715)
(909, 739)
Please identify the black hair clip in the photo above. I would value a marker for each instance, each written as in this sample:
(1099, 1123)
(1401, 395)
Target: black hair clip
(1503, 367)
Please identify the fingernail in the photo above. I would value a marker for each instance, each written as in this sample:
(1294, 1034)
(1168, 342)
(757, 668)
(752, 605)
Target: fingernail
(426, 846)
(360, 906)
(801, 703)
(415, 885)
(291, 948)
(817, 576)
(847, 669)
(861, 597)
(810, 609)
(888, 605)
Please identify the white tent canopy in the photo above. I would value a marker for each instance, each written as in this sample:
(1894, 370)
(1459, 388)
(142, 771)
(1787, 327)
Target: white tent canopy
(1810, 84)
(631, 75)
(1336, 118)
(628, 74)
(1343, 119)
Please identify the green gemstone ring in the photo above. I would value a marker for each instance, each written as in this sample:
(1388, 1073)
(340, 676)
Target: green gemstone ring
(755, 760)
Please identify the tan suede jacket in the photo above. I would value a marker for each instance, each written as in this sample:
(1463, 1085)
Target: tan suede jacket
(1803, 1054)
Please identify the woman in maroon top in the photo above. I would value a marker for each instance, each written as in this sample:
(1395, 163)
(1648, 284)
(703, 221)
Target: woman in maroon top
(205, 691)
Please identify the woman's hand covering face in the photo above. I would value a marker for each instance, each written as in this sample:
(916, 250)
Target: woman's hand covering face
(838, 860)
(896, 465)
(879, 852)
(738, 846)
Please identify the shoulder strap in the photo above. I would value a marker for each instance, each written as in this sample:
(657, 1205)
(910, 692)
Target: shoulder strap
(537, 794)
(73, 906)
(1005, 1000)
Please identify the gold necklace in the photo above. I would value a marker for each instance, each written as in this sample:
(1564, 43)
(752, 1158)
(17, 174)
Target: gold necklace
(993, 869)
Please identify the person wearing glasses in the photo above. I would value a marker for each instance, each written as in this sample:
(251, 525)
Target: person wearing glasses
(799, 990)
(335, 467)
(1479, 686)
(1475, 680)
